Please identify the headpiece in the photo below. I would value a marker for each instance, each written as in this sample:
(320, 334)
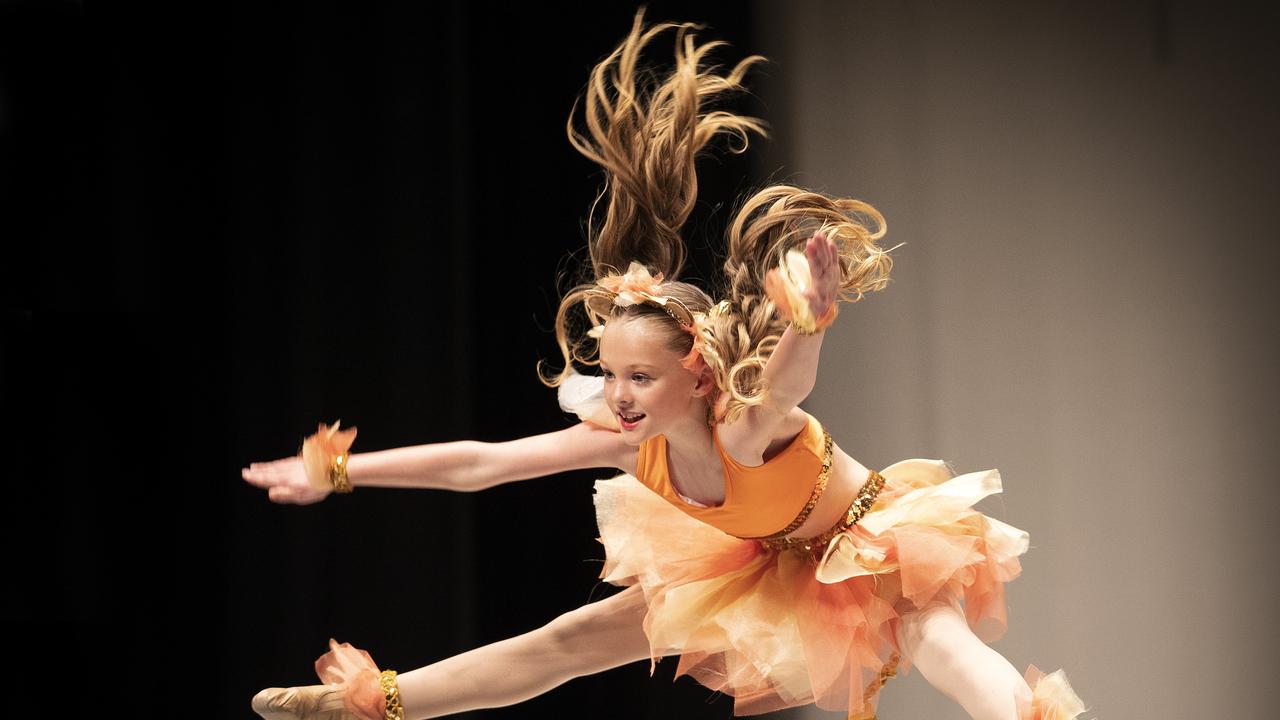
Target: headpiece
(638, 287)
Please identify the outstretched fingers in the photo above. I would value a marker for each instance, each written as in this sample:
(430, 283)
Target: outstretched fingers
(285, 481)
(268, 474)
(262, 475)
(823, 257)
(824, 253)
(282, 494)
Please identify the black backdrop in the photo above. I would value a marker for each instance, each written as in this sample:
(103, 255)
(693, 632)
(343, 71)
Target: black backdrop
(224, 224)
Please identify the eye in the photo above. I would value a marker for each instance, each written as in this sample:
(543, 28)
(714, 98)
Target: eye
(608, 375)
(639, 377)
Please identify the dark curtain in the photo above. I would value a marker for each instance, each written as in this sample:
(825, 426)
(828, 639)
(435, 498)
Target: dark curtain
(225, 224)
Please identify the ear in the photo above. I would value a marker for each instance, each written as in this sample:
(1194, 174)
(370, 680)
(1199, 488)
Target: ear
(706, 383)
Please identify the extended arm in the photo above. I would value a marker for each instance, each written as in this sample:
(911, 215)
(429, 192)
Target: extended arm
(470, 465)
(465, 465)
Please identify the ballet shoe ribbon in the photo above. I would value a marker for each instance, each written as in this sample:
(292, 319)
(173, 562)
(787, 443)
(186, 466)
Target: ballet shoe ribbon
(1051, 697)
(355, 670)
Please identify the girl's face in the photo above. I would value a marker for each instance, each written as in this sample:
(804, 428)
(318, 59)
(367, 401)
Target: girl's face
(645, 385)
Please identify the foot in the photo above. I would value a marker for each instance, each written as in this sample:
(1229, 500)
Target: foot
(310, 702)
(1052, 697)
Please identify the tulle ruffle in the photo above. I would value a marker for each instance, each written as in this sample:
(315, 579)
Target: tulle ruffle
(1052, 697)
(355, 670)
(777, 630)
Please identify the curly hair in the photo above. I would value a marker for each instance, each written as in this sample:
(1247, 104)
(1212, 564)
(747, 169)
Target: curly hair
(646, 131)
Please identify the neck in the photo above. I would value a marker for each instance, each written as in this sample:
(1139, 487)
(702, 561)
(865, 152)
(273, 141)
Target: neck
(690, 443)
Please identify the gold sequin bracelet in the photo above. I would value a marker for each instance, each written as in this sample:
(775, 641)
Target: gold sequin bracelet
(338, 474)
(391, 691)
(819, 324)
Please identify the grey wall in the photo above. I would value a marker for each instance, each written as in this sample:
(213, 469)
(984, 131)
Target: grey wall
(1088, 197)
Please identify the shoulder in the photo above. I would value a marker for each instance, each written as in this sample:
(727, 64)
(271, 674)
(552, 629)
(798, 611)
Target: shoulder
(579, 447)
(761, 431)
(604, 447)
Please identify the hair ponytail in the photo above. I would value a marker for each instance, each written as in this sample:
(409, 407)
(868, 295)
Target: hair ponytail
(646, 135)
(645, 132)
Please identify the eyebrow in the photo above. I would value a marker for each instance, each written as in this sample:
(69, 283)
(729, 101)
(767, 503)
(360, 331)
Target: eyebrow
(638, 366)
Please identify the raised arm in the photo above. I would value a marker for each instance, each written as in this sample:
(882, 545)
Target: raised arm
(464, 466)
(792, 370)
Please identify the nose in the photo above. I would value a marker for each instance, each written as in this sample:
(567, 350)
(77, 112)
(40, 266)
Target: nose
(621, 394)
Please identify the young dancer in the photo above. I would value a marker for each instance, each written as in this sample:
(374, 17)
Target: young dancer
(777, 567)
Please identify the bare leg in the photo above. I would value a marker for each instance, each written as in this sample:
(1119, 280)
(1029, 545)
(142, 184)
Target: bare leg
(588, 640)
(962, 667)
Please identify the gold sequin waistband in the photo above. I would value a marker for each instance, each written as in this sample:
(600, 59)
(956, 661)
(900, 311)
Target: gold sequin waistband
(865, 498)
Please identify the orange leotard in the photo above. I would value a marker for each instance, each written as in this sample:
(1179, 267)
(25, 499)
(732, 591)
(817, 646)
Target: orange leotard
(760, 500)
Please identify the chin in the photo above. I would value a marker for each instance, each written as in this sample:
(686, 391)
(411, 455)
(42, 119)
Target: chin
(635, 441)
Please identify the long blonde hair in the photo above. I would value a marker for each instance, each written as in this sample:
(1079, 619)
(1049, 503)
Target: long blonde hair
(646, 134)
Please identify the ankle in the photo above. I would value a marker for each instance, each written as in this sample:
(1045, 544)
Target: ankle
(391, 707)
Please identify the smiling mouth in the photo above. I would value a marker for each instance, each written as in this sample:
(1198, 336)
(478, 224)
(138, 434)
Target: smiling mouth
(629, 420)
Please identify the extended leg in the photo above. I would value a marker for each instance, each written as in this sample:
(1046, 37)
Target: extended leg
(962, 667)
(593, 638)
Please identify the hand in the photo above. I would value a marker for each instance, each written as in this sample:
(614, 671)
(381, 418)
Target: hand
(824, 270)
(285, 481)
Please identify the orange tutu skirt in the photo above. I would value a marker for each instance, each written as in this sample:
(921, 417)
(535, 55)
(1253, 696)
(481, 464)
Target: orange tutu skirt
(783, 629)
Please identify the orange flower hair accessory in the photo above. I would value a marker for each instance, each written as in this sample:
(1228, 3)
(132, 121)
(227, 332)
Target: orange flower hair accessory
(324, 457)
(786, 285)
(638, 287)
(694, 362)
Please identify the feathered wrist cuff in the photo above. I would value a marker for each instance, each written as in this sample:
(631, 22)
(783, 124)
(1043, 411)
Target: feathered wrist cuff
(325, 455)
(786, 286)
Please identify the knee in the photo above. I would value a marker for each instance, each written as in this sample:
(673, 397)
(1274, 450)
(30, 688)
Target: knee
(601, 634)
(939, 633)
(959, 665)
(568, 632)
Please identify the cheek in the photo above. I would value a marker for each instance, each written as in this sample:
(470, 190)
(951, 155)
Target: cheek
(661, 399)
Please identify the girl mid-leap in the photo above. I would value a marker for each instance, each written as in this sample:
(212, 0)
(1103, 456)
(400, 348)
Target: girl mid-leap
(777, 567)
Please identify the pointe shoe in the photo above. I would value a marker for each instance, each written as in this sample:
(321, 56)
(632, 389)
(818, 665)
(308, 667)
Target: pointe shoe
(309, 702)
(1052, 697)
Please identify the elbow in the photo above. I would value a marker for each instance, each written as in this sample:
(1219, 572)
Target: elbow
(474, 471)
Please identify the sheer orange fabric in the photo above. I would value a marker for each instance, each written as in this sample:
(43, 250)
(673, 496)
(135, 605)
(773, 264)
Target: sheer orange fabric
(773, 630)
